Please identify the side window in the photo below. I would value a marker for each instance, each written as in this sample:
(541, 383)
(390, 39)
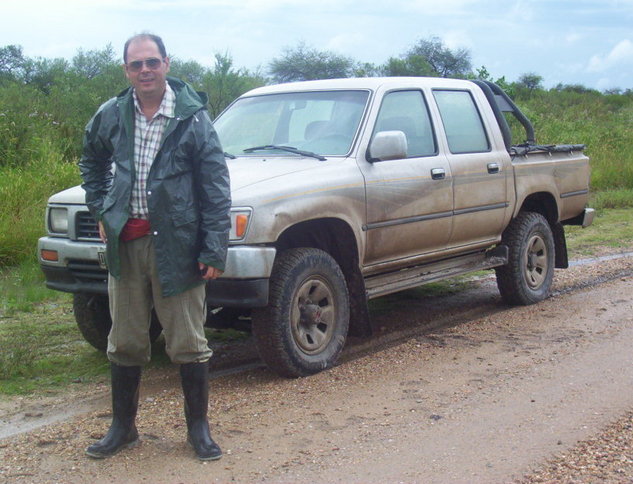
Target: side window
(406, 111)
(463, 125)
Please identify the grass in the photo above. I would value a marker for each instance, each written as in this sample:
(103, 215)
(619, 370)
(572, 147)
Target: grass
(22, 288)
(447, 287)
(24, 192)
(603, 123)
(613, 198)
(612, 229)
(43, 350)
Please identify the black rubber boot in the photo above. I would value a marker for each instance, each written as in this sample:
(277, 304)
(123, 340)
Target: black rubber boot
(122, 433)
(195, 386)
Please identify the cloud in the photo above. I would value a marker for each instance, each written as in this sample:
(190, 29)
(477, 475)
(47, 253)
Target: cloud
(457, 39)
(604, 83)
(446, 7)
(622, 53)
(345, 42)
(573, 38)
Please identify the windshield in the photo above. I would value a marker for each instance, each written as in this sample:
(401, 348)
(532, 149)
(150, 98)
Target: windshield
(322, 122)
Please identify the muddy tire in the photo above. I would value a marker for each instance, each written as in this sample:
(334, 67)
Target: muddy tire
(92, 314)
(527, 277)
(303, 329)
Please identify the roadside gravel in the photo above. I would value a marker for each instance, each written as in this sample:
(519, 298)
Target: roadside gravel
(482, 374)
(607, 457)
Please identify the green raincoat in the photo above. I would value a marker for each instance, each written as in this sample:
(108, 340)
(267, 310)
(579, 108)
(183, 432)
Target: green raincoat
(188, 190)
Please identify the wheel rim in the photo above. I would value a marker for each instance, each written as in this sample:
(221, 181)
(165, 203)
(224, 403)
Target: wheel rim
(536, 262)
(313, 316)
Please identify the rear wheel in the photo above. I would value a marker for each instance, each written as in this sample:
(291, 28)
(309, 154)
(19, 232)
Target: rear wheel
(528, 275)
(92, 313)
(303, 329)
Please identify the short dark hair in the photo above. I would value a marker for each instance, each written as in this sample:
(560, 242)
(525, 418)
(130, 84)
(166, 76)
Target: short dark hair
(145, 36)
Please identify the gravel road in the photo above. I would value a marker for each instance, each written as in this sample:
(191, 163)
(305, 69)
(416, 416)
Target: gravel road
(453, 388)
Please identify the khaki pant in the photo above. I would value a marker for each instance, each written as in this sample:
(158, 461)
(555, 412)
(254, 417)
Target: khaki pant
(132, 298)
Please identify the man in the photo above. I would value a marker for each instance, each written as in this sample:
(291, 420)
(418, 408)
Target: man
(163, 213)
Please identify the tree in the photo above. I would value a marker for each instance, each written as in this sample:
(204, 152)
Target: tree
(223, 83)
(367, 69)
(11, 62)
(411, 65)
(442, 60)
(614, 91)
(305, 63)
(530, 81)
(577, 88)
(189, 71)
(93, 63)
(45, 73)
(482, 74)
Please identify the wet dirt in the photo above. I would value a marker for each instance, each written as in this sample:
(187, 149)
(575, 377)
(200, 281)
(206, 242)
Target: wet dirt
(452, 388)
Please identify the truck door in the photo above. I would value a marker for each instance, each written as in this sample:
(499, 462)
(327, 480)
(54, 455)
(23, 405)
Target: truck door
(479, 172)
(410, 200)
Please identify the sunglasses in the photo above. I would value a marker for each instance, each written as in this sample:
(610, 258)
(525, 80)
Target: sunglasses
(152, 63)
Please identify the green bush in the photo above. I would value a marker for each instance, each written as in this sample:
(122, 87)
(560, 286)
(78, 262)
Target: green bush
(603, 122)
(44, 105)
(24, 191)
(613, 198)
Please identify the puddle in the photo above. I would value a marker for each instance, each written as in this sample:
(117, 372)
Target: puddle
(603, 258)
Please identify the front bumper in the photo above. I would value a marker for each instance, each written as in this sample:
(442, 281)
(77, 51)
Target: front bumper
(68, 280)
(77, 269)
(244, 283)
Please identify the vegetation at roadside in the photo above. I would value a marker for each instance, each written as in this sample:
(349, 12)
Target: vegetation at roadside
(42, 350)
(44, 106)
(22, 289)
(612, 231)
(45, 103)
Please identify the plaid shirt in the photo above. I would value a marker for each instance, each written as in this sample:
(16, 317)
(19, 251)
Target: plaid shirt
(147, 138)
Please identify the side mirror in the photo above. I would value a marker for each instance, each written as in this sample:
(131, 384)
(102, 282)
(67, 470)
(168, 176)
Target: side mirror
(387, 145)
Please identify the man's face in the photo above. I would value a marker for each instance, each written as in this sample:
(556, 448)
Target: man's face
(149, 81)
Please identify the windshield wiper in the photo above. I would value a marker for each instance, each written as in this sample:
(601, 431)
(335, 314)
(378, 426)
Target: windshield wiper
(289, 149)
(229, 155)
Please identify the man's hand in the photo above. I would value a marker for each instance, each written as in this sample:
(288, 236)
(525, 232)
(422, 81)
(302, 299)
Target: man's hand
(208, 272)
(102, 234)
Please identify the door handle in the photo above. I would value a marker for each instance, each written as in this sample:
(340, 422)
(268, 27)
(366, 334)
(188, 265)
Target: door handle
(438, 173)
(493, 168)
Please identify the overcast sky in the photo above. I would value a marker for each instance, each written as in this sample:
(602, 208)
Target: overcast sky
(587, 42)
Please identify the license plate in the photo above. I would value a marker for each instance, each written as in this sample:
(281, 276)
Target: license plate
(102, 259)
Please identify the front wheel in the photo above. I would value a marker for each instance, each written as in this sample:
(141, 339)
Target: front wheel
(302, 330)
(528, 275)
(92, 314)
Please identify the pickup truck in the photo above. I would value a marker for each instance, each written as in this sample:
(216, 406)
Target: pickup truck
(349, 189)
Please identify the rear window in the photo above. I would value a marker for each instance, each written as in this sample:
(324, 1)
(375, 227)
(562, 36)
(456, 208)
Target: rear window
(462, 122)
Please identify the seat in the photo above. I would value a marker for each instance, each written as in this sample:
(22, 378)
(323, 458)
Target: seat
(314, 129)
(398, 123)
(420, 144)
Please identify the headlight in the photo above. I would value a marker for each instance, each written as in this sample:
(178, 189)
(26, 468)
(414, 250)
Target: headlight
(240, 218)
(58, 220)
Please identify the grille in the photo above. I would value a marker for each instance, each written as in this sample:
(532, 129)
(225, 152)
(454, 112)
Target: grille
(86, 226)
